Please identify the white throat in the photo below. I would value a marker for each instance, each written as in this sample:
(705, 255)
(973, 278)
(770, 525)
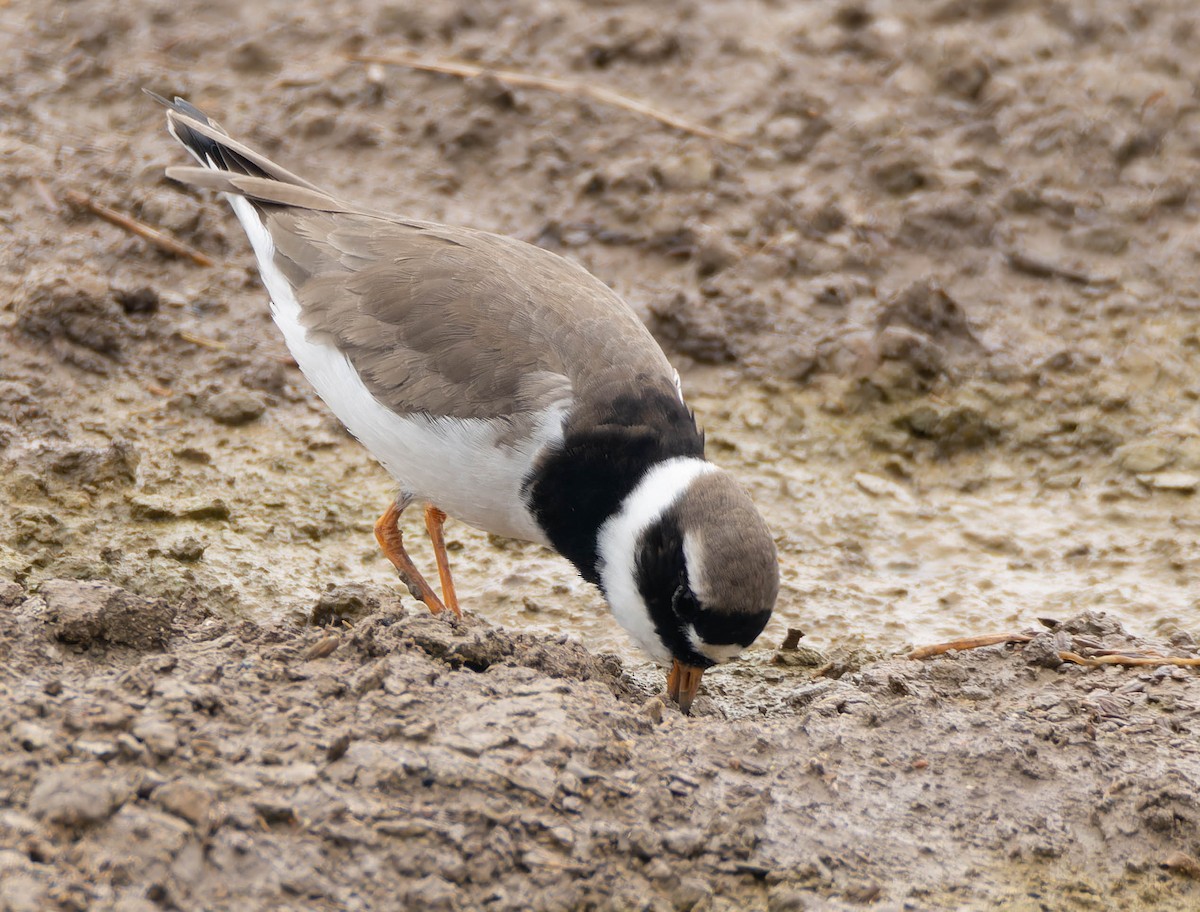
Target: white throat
(616, 544)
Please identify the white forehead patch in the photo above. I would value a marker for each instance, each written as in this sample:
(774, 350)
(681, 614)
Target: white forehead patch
(693, 557)
(721, 653)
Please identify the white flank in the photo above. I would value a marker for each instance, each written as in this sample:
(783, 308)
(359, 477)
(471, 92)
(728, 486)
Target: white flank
(618, 538)
(458, 465)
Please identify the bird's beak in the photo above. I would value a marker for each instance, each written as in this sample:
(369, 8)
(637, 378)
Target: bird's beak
(682, 684)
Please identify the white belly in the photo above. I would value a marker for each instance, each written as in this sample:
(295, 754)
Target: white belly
(455, 464)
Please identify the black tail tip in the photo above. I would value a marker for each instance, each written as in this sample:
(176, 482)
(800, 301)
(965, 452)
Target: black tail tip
(180, 105)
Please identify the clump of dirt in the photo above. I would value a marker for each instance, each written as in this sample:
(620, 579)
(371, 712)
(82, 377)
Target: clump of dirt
(78, 319)
(84, 613)
(454, 765)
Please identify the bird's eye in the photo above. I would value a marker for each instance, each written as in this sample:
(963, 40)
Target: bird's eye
(683, 602)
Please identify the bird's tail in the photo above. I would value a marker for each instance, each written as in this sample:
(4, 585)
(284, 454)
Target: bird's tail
(230, 167)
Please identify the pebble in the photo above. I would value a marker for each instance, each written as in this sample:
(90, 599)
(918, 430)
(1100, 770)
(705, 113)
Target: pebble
(24, 893)
(32, 736)
(1144, 456)
(1044, 648)
(187, 550)
(1062, 482)
(785, 898)
(690, 169)
(1182, 482)
(234, 407)
(432, 894)
(292, 774)
(130, 747)
(10, 593)
(101, 750)
(685, 841)
(189, 800)
(536, 777)
(76, 795)
(156, 733)
(881, 487)
(653, 709)
(253, 57)
(691, 892)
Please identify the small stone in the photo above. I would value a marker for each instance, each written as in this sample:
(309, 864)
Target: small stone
(130, 748)
(101, 750)
(714, 251)
(293, 774)
(234, 407)
(253, 57)
(691, 893)
(1144, 456)
(32, 736)
(786, 898)
(688, 170)
(536, 777)
(431, 893)
(337, 748)
(11, 594)
(653, 709)
(187, 550)
(899, 174)
(189, 800)
(1183, 482)
(881, 487)
(563, 835)
(644, 842)
(75, 795)
(1044, 648)
(1062, 482)
(157, 734)
(24, 893)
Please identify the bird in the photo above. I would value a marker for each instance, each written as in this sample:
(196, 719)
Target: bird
(505, 386)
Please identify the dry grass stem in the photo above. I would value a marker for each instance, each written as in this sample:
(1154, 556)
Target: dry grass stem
(466, 70)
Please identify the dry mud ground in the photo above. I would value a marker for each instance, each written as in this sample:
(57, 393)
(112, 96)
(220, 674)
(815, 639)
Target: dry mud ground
(939, 312)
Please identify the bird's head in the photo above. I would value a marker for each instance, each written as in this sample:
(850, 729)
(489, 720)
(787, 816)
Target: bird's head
(689, 568)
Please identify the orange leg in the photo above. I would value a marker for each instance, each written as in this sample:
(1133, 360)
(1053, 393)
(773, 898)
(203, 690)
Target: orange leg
(387, 533)
(434, 519)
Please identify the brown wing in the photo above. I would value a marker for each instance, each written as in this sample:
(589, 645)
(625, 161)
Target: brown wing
(455, 322)
(446, 321)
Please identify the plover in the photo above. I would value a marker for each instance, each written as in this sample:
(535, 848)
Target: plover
(505, 386)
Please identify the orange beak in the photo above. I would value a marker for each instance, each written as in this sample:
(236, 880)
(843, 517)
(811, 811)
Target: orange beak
(682, 684)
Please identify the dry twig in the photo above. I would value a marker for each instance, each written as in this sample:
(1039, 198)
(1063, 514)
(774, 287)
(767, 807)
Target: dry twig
(1128, 659)
(202, 341)
(141, 229)
(465, 70)
(323, 647)
(975, 642)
